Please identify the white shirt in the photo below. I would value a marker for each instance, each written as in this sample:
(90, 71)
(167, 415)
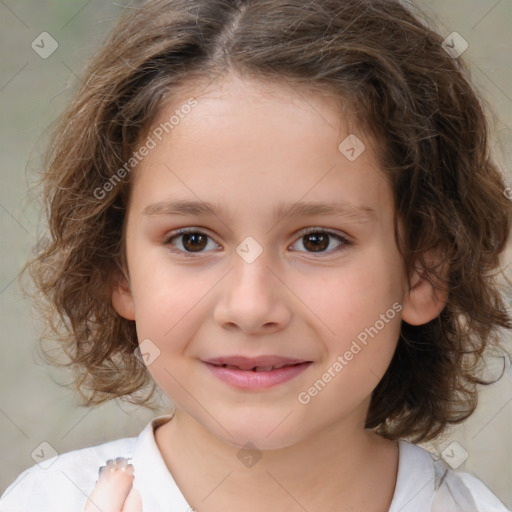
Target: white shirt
(423, 483)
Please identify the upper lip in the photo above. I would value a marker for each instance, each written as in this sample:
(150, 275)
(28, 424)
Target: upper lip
(248, 363)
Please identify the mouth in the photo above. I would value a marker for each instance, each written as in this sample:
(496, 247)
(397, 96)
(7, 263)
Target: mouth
(255, 368)
(254, 373)
(260, 363)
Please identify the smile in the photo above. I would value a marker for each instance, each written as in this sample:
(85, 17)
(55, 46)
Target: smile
(256, 377)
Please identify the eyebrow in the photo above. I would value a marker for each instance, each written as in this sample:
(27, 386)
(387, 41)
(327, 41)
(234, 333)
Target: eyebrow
(358, 213)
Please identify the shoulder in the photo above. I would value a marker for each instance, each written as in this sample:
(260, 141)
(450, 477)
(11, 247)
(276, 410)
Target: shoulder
(427, 483)
(62, 483)
(467, 491)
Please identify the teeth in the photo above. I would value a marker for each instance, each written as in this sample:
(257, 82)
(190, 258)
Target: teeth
(263, 368)
(255, 368)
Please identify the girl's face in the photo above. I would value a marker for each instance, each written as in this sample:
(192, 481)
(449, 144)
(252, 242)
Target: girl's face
(251, 281)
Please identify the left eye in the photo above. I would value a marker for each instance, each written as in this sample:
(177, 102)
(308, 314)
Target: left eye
(315, 240)
(318, 240)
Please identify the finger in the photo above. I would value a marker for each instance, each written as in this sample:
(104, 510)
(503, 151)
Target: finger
(110, 491)
(133, 502)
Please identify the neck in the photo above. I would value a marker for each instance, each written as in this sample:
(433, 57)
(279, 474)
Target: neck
(340, 460)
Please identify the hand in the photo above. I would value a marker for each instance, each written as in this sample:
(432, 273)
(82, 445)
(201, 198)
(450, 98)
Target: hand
(113, 491)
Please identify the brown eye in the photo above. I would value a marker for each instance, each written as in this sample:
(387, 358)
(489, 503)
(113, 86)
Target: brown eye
(192, 241)
(195, 242)
(318, 241)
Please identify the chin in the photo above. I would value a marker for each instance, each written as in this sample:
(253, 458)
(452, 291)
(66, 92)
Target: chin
(265, 433)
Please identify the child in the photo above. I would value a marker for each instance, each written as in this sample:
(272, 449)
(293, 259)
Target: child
(284, 214)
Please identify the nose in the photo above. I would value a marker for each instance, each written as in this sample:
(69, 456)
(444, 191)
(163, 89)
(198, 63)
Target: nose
(253, 298)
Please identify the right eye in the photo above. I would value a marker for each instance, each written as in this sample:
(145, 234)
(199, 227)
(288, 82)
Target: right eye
(193, 241)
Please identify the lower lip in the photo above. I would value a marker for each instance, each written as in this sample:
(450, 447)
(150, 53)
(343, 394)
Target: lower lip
(248, 379)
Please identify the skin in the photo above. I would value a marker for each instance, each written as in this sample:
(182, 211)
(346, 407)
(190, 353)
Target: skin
(250, 145)
(113, 492)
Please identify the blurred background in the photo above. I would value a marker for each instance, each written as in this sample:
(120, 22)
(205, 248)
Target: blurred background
(36, 81)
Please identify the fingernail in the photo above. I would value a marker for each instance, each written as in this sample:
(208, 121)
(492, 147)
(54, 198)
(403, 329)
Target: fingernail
(128, 469)
(106, 471)
(120, 463)
(123, 465)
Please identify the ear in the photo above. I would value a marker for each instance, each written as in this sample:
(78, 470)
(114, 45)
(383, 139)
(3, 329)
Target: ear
(122, 298)
(425, 301)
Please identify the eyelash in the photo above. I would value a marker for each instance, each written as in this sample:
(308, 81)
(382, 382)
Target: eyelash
(308, 231)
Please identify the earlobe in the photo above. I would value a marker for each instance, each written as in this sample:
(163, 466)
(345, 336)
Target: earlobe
(122, 298)
(424, 301)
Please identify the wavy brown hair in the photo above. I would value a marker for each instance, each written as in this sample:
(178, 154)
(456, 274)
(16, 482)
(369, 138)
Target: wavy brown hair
(384, 61)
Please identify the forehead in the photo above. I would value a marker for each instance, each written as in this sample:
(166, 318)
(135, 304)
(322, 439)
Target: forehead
(246, 139)
(248, 101)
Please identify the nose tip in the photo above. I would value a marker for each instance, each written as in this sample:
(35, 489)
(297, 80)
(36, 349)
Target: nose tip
(251, 299)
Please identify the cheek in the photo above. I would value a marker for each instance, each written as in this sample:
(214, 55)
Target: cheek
(166, 294)
(351, 297)
(359, 311)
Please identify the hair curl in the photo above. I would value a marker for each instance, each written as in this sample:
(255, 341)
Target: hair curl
(377, 56)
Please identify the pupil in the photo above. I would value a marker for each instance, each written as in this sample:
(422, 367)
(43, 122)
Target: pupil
(314, 242)
(194, 238)
(320, 242)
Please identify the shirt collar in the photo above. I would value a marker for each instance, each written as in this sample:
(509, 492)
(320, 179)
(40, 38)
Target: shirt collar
(158, 490)
(415, 479)
(413, 491)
